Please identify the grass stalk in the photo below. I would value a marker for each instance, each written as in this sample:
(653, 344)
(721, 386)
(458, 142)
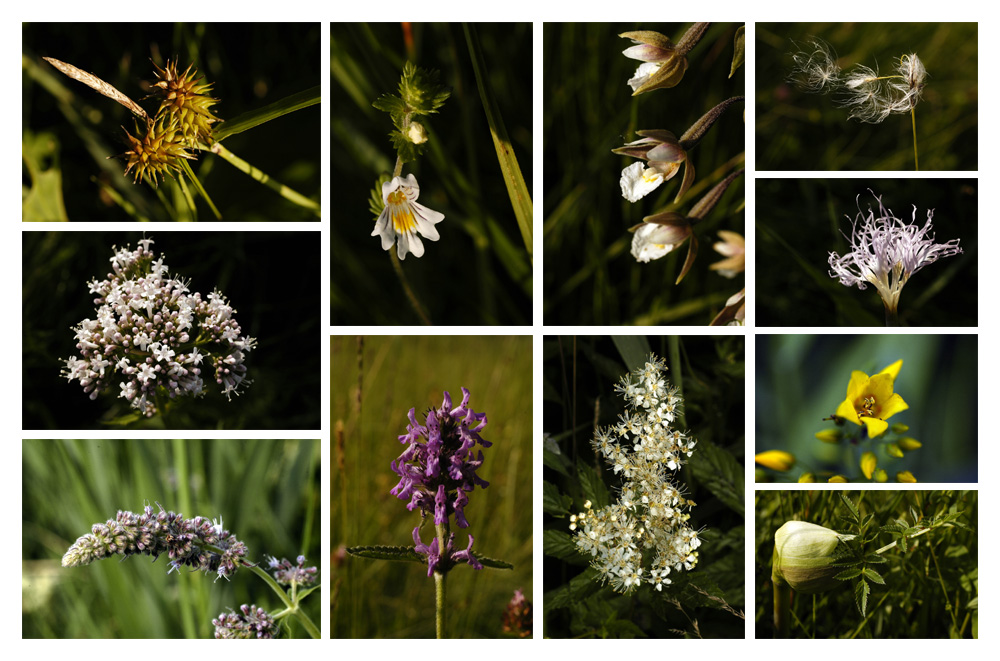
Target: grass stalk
(263, 178)
(913, 118)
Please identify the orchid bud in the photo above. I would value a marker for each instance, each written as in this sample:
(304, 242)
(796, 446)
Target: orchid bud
(803, 557)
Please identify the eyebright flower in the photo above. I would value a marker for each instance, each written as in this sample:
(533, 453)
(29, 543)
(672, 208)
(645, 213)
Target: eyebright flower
(165, 533)
(250, 622)
(286, 573)
(403, 218)
(885, 251)
(153, 339)
(185, 101)
(650, 514)
(437, 470)
(871, 401)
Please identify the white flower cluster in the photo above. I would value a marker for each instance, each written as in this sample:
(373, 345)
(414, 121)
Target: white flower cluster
(644, 535)
(153, 338)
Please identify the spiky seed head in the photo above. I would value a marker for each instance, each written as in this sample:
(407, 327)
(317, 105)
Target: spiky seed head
(157, 152)
(184, 97)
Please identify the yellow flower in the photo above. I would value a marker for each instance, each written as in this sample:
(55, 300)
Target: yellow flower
(775, 460)
(905, 476)
(870, 399)
(868, 463)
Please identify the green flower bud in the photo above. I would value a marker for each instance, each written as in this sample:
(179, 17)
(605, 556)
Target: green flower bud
(908, 444)
(803, 557)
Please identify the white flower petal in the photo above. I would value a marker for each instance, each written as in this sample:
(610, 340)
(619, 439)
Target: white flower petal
(638, 181)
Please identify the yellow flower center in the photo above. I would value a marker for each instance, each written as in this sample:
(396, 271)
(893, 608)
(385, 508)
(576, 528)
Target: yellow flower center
(400, 212)
(866, 407)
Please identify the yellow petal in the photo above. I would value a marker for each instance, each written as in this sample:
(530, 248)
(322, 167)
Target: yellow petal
(876, 427)
(881, 476)
(857, 385)
(893, 369)
(775, 460)
(847, 412)
(893, 451)
(838, 478)
(807, 477)
(829, 435)
(892, 405)
(868, 463)
(908, 444)
(905, 476)
(880, 385)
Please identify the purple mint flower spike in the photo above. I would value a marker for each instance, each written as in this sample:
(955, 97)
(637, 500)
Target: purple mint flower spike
(443, 562)
(438, 468)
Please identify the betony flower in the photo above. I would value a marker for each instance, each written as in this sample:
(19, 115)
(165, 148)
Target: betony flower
(886, 251)
(403, 218)
(152, 334)
(871, 401)
(442, 562)
(183, 541)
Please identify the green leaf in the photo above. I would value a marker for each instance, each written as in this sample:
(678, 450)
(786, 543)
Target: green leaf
(305, 593)
(579, 588)
(855, 514)
(873, 576)
(554, 502)
(493, 563)
(738, 50)
(861, 592)
(44, 200)
(848, 574)
(375, 203)
(721, 474)
(421, 90)
(404, 553)
(390, 103)
(592, 486)
(557, 544)
(249, 120)
(634, 350)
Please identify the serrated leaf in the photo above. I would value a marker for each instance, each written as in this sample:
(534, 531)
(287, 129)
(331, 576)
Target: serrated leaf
(875, 559)
(421, 90)
(390, 103)
(405, 149)
(554, 502)
(739, 48)
(861, 592)
(592, 486)
(557, 544)
(402, 553)
(873, 576)
(850, 506)
(848, 574)
(720, 473)
(493, 563)
(579, 588)
(556, 462)
(375, 203)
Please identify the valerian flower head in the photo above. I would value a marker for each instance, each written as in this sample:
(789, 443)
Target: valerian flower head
(871, 401)
(403, 218)
(184, 541)
(645, 534)
(286, 573)
(437, 470)
(153, 339)
(250, 622)
(886, 251)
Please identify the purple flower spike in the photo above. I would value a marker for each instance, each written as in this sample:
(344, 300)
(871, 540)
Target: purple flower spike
(466, 556)
(438, 468)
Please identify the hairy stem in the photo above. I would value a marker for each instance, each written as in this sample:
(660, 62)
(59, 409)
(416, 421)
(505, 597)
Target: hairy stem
(913, 117)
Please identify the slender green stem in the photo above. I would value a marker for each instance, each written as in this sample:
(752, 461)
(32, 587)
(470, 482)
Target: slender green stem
(782, 608)
(893, 544)
(913, 117)
(304, 619)
(944, 590)
(414, 301)
(201, 189)
(256, 174)
(439, 577)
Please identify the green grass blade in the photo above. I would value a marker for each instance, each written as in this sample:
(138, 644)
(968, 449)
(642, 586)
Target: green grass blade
(282, 190)
(520, 198)
(249, 120)
(201, 189)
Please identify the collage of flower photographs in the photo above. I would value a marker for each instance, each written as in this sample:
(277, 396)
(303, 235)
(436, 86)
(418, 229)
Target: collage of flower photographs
(314, 393)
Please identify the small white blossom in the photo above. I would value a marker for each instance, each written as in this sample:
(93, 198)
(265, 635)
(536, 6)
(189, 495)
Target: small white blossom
(403, 218)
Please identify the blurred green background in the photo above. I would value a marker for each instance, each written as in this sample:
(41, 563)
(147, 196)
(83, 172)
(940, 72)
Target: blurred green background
(271, 279)
(800, 131)
(69, 130)
(937, 580)
(580, 374)
(459, 176)
(800, 221)
(267, 492)
(801, 379)
(590, 275)
(373, 385)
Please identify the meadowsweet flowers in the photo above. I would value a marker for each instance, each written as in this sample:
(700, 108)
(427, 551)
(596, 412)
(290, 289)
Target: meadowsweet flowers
(885, 251)
(184, 541)
(871, 401)
(650, 514)
(403, 218)
(153, 340)
(437, 471)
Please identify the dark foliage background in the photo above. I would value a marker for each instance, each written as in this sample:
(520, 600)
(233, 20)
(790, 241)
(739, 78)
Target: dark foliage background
(579, 378)
(479, 271)
(271, 279)
(800, 221)
(251, 66)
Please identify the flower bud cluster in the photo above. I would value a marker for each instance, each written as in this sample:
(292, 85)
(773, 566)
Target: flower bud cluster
(155, 339)
(286, 573)
(438, 470)
(250, 622)
(645, 534)
(182, 540)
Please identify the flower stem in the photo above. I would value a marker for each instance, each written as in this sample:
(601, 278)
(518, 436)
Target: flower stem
(891, 317)
(439, 589)
(782, 608)
(292, 607)
(913, 117)
(254, 173)
(414, 301)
